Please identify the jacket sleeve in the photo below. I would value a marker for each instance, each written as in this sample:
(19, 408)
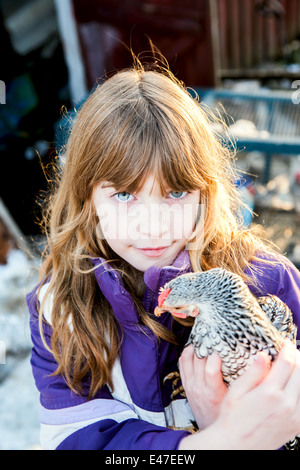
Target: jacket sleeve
(289, 290)
(72, 422)
(283, 280)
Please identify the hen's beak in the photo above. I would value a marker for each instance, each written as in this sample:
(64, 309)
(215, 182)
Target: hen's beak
(158, 311)
(182, 312)
(191, 311)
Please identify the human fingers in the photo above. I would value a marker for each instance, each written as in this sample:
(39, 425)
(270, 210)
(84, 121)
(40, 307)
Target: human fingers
(291, 394)
(281, 389)
(187, 362)
(186, 355)
(213, 375)
(252, 377)
(283, 366)
(186, 365)
(293, 384)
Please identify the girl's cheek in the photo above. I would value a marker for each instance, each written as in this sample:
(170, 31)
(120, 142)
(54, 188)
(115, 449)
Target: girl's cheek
(121, 222)
(108, 226)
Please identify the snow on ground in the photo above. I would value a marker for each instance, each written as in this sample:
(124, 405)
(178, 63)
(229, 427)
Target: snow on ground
(19, 417)
(19, 400)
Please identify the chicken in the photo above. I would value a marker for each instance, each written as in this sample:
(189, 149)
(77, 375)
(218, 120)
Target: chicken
(229, 319)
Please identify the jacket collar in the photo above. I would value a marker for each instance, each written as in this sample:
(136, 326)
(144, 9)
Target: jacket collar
(181, 265)
(112, 287)
(155, 277)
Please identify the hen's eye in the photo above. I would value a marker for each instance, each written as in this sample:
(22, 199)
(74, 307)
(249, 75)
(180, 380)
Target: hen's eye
(177, 194)
(123, 196)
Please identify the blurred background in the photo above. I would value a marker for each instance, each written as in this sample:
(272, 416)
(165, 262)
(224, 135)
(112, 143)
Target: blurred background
(241, 57)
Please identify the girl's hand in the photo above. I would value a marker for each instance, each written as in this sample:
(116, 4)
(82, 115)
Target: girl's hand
(203, 384)
(261, 409)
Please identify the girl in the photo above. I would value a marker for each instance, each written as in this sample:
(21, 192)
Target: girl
(146, 194)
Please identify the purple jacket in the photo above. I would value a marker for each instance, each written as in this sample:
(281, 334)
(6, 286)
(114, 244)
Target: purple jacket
(139, 413)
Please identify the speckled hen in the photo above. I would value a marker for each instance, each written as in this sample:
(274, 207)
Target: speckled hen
(229, 319)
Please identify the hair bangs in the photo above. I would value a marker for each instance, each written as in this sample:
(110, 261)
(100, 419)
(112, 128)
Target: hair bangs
(150, 143)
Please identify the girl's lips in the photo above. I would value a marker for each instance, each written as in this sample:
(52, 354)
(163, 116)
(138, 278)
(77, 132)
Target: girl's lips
(153, 252)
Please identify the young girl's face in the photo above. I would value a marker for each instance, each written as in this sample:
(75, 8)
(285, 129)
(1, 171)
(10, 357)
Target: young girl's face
(147, 228)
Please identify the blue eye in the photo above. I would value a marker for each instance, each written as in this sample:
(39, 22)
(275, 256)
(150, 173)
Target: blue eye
(123, 196)
(177, 194)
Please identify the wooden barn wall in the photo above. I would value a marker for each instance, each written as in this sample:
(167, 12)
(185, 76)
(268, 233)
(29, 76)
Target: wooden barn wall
(250, 33)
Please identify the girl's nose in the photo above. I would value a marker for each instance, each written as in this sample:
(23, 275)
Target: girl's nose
(154, 221)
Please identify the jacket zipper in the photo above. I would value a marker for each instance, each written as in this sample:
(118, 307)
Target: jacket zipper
(147, 305)
(148, 300)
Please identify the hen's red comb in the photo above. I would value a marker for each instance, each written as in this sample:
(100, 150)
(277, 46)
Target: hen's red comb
(162, 297)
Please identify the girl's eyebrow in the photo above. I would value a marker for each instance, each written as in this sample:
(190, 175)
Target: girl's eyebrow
(110, 185)
(113, 188)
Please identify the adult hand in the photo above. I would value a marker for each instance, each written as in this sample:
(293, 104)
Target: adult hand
(261, 409)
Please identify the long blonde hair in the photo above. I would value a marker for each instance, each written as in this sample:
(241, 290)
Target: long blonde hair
(137, 122)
